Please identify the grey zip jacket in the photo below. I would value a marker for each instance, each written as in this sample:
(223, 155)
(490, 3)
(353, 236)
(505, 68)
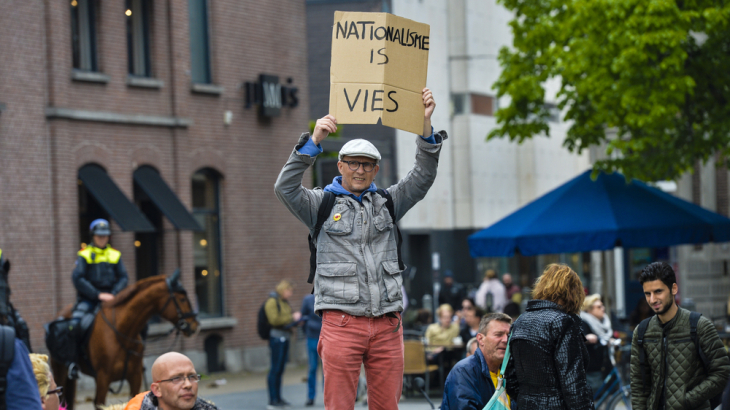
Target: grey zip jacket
(357, 259)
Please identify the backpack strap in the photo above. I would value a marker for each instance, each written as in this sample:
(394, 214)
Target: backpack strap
(328, 202)
(694, 318)
(641, 331)
(7, 353)
(399, 238)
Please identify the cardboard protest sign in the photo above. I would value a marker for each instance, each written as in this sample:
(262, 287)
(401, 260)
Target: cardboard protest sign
(378, 70)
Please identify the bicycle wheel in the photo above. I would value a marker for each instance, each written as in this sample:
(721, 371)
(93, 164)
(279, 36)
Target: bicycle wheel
(621, 400)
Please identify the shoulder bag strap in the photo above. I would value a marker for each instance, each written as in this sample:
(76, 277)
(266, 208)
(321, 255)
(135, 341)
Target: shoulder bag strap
(694, 318)
(399, 238)
(641, 330)
(328, 202)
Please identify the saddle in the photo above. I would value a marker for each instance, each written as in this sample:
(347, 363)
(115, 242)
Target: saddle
(67, 338)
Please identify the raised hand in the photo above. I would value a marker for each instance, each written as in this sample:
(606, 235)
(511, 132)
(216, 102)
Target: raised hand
(430, 105)
(323, 127)
(428, 102)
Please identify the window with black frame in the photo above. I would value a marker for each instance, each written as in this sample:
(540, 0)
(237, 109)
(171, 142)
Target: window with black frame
(138, 15)
(200, 71)
(83, 34)
(206, 244)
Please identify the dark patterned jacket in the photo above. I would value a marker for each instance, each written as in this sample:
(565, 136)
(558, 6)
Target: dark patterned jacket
(547, 367)
(150, 403)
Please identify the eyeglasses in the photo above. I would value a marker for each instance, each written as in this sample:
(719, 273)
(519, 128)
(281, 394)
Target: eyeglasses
(58, 390)
(355, 165)
(194, 378)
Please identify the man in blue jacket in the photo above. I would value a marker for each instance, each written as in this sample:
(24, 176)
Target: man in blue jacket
(472, 381)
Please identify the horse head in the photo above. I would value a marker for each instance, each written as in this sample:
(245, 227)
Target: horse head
(178, 308)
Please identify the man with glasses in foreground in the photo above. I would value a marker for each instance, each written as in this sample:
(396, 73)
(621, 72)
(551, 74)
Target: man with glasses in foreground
(175, 386)
(357, 285)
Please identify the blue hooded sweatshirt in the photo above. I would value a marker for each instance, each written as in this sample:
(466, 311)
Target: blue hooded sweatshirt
(336, 188)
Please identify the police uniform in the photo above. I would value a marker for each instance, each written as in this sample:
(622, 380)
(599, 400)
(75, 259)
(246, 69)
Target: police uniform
(97, 271)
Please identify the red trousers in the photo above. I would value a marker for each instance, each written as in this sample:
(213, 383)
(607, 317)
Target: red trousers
(345, 343)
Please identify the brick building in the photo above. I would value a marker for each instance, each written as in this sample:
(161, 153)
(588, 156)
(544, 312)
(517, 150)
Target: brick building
(156, 100)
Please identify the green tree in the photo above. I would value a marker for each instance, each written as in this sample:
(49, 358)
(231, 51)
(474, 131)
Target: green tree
(653, 73)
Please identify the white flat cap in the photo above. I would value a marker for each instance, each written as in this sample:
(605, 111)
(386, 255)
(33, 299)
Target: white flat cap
(359, 148)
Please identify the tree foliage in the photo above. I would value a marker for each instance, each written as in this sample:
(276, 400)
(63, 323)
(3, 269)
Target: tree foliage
(650, 79)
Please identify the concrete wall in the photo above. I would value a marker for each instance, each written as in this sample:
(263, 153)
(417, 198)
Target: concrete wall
(704, 271)
(479, 182)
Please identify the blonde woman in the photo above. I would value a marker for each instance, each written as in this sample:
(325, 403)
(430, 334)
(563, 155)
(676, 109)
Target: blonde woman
(50, 393)
(440, 335)
(547, 367)
(443, 332)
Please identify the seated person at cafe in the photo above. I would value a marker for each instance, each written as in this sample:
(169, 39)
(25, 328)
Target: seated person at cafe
(440, 338)
(471, 346)
(443, 332)
(466, 304)
(472, 381)
(470, 328)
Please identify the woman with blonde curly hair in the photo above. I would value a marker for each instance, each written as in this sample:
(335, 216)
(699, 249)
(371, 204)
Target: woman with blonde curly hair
(46, 385)
(547, 367)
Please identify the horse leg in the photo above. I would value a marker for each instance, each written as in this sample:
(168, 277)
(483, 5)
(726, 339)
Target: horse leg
(69, 392)
(60, 375)
(102, 387)
(134, 375)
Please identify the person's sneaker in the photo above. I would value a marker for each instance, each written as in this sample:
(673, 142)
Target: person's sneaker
(309, 403)
(284, 403)
(275, 406)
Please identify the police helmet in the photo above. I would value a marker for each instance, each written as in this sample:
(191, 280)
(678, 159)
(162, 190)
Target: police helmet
(100, 227)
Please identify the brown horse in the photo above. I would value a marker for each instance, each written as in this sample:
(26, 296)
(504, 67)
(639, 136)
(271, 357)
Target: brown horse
(115, 349)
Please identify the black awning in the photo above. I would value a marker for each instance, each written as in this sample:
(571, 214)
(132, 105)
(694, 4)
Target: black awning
(112, 199)
(165, 199)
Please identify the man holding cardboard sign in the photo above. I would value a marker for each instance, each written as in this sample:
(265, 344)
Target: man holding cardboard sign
(378, 69)
(357, 286)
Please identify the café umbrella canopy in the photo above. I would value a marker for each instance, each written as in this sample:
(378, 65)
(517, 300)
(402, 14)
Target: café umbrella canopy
(585, 215)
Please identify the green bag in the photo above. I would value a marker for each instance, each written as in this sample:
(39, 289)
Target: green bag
(499, 400)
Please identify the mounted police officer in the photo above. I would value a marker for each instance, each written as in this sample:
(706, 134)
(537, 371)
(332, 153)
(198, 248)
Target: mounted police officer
(99, 273)
(98, 276)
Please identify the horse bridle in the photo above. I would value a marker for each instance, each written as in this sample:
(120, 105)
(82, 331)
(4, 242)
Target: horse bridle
(182, 324)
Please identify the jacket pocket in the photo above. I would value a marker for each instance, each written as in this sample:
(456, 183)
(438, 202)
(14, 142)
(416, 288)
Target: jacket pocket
(341, 220)
(392, 280)
(381, 217)
(338, 282)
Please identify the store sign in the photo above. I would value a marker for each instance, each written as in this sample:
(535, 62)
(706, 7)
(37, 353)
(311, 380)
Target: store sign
(378, 70)
(270, 96)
